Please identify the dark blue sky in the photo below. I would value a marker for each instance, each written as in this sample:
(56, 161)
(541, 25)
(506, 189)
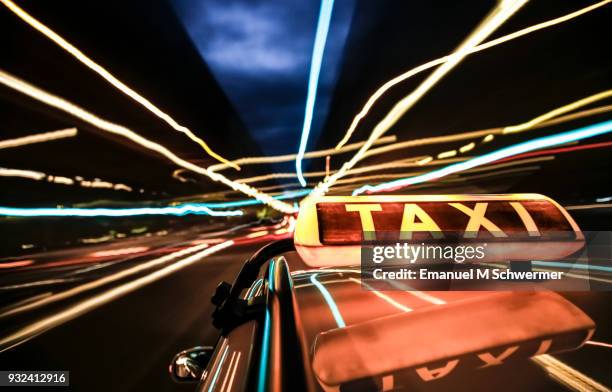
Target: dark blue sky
(260, 52)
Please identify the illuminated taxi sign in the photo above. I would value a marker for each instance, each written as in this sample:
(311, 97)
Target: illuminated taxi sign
(517, 225)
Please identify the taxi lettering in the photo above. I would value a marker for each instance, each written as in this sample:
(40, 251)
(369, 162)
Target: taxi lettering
(487, 359)
(416, 219)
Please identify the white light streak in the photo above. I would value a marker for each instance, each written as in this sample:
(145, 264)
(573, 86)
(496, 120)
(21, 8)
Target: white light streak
(38, 138)
(107, 126)
(106, 75)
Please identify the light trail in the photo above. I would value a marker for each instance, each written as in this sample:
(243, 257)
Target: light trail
(571, 266)
(382, 296)
(400, 163)
(107, 126)
(309, 155)
(556, 112)
(38, 138)
(451, 179)
(559, 150)
(407, 75)
(106, 75)
(29, 174)
(588, 206)
(187, 209)
(487, 135)
(535, 144)
(600, 344)
(329, 300)
(567, 375)
(244, 203)
(544, 120)
(323, 23)
(40, 176)
(71, 312)
(496, 18)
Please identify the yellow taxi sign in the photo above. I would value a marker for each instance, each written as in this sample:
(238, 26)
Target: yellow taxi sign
(331, 230)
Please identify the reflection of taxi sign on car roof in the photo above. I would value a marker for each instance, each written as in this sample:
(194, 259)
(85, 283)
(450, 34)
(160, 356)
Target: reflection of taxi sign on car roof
(331, 231)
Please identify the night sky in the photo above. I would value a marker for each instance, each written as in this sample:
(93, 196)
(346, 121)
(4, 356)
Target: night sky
(260, 53)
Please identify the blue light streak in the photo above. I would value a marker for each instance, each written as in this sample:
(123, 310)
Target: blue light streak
(178, 210)
(186, 209)
(535, 144)
(330, 301)
(250, 202)
(216, 375)
(572, 266)
(323, 23)
(265, 346)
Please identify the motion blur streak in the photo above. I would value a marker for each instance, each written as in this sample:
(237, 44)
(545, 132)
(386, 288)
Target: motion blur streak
(61, 104)
(119, 252)
(87, 305)
(407, 75)
(290, 157)
(39, 176)
(567, 375)
(546, 119)
(329, 300)
(313, 80)
(32, 175)
(560, 150)
(558, 111)
(185, 209)
(535, 144)
(399, 163)
(601, 344)
(38, 138)
(496, 18)
(383, 296)
(487, 134)
(105, 280)
(53, 36)
(588, 206)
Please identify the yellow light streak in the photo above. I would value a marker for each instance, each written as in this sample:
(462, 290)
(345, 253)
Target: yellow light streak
(447, 154)
(48, 322)
(588, 206)
(39, 176)
(396, 164)
(567, 375)
(61, 180)
(107, 126)
(556, 112)
(387, 86)
(575, 116)
(490, 133)
(106, 75)
(453, 178)
(496, 18)
(424, 161)
(30, 174)
(291, 157)
(467, 147)
(38, 138)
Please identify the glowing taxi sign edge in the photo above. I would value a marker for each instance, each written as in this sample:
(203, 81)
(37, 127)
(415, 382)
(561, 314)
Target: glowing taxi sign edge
(307, 226)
